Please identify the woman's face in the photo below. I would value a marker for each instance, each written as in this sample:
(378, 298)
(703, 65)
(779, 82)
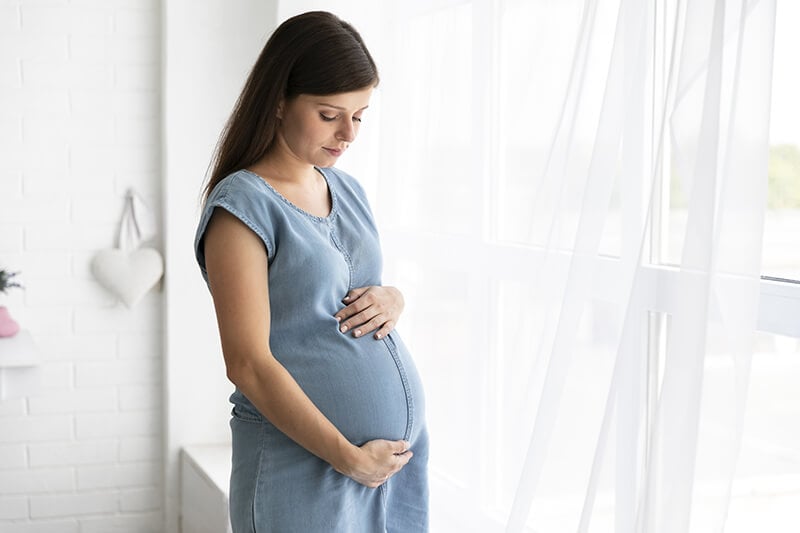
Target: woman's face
(318, 129)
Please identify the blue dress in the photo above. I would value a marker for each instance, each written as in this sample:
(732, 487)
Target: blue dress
(367, 388)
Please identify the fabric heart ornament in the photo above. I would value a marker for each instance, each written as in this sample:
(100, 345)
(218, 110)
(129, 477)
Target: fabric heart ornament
(130, 271)
(129, 275)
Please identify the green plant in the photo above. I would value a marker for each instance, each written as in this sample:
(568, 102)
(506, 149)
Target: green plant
(784, 176)
(7, 280)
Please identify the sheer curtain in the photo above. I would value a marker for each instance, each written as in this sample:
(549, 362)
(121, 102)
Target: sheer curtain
(520, 156)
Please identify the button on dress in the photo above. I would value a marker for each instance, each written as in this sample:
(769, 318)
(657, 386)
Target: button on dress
(369, 389)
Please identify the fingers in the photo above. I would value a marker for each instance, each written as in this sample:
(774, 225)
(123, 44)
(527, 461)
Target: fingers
(400, 446)
(384, 450)
(354, 294)
(387, 328)
(356, 301)
(363, 316)
(369, 309)
(367, 327)
(401, 455)
(360, 322)
(387, 459)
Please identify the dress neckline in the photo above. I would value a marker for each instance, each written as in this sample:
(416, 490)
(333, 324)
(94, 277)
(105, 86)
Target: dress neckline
(331, 193)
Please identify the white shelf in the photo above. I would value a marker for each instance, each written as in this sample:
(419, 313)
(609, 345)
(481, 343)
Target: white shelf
(213, 461)
(19, 350)
(205, 473)
(20, 373)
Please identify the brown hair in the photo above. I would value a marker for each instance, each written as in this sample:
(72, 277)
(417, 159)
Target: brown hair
(312, 53)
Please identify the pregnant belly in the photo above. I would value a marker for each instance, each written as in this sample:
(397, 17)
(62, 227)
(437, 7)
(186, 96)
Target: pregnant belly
(367, 388)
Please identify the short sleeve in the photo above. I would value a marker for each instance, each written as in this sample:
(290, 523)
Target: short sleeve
(244, 197)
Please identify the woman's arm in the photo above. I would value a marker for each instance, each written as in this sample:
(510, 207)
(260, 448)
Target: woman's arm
(236, 263)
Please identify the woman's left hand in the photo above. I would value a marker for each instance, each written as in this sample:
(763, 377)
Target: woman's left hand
(370, 308)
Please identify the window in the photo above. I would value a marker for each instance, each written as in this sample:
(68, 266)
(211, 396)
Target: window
(473, 96)
(766, 490)
(782, 223)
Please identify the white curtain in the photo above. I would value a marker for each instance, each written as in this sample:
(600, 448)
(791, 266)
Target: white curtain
(532, 164)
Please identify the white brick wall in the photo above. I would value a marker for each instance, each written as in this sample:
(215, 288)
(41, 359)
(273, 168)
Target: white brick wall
(80, 124)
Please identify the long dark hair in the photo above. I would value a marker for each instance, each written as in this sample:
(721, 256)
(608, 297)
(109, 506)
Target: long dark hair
(312, 53)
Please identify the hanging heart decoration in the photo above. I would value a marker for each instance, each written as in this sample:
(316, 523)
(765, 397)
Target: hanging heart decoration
(131, 270)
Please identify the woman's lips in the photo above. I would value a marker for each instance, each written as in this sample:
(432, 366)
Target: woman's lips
(334, 151)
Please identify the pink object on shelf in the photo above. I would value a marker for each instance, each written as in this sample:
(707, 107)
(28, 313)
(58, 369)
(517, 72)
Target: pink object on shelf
(8, 326)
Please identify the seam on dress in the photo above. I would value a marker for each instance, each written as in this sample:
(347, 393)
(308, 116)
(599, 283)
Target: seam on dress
(347, 259)
(261, 444)
(384, 497)
(406, 387)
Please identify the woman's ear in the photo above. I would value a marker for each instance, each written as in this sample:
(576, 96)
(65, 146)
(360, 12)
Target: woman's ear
(279, 111)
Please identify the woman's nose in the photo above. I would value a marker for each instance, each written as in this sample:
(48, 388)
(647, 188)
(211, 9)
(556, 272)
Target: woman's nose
(347, 132)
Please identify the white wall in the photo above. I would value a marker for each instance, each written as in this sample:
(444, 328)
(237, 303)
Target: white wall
(207, 54)
(84, 110)
(79, 124)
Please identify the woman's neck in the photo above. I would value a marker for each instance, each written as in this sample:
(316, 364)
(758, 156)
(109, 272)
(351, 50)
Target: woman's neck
(279, 164)
(298, 181)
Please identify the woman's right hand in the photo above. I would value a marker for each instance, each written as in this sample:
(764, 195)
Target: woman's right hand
(378, 460)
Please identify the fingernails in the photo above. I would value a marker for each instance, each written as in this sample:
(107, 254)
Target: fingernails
(346, 298)
(338, 318)
(343, 329)
(357, 333)
(378, 336)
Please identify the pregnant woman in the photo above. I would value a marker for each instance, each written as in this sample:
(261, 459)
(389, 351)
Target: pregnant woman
(328, 413)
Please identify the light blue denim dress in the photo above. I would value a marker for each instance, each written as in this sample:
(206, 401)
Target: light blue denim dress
(367, 388)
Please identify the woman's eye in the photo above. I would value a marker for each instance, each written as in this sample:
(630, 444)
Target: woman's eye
(357, 119)
(326, 118)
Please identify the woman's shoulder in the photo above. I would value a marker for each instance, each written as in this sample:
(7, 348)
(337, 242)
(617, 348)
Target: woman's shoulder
(240, 182)
(243, 194)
